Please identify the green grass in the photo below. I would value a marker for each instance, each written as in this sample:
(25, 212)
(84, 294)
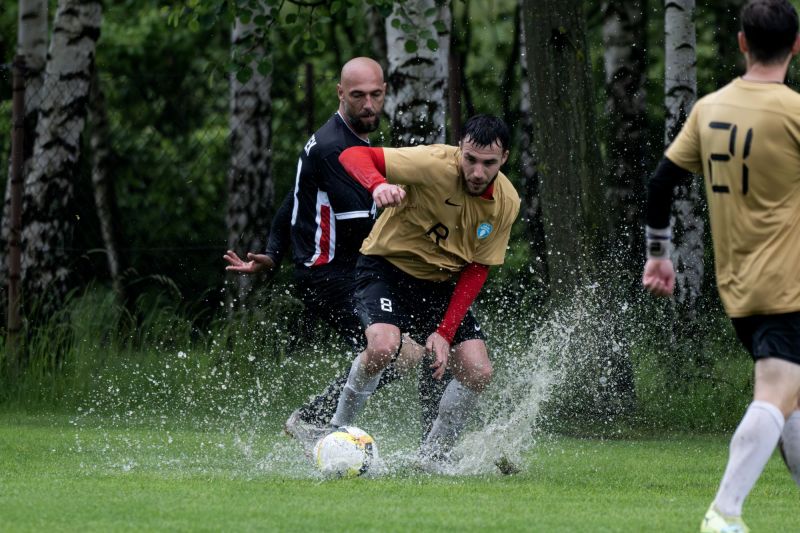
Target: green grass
(98, 473)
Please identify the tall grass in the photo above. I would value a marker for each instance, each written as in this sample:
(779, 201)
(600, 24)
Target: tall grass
(156, 360)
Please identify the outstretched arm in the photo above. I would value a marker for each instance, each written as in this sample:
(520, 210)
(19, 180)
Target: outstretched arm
(368, 166)
(467, 288)
(659, 273)
(280, 230)
(277, 245)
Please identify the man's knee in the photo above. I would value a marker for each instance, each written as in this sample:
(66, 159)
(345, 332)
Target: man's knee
(382, 345)
(475, 373)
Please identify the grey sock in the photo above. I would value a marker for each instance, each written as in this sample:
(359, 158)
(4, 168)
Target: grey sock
(354, 395)
(790, 445)
(457, 403)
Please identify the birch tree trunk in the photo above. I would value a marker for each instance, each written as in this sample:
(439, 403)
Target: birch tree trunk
(624, 41)
(48, 212)
(680, 87)
(417, 78)
(32, 47)
(251, 188)
(561, 105)
(105, 197)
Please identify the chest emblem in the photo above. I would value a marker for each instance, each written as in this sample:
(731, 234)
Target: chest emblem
(484, 229)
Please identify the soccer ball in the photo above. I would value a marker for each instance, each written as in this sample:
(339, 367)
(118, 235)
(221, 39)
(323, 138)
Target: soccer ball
(347, 452)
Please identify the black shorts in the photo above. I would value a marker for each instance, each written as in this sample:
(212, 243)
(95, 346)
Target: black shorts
(387, 295)
(770, 335)
(328, 295)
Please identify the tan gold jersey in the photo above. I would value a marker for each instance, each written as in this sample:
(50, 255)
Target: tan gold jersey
(745, 139)
(439, 228)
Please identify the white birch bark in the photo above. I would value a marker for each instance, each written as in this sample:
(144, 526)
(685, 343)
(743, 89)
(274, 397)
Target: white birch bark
(251, 187)
(48, 212)
(680, 87)
(32, 47)
(416, 101)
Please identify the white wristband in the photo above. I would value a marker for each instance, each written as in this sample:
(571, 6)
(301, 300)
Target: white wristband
(659, 242)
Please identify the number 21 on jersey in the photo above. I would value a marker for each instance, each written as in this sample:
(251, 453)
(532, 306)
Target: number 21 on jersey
(717, 157)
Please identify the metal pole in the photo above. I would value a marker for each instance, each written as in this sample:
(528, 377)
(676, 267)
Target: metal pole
(15, 223)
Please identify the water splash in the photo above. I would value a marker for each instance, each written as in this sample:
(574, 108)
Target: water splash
(190, 411)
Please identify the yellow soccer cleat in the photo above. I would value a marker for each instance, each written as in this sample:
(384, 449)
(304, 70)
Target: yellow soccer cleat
(716, 522)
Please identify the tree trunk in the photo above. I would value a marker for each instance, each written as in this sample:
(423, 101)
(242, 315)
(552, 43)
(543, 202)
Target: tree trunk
(105, 197)
(32, 47)
(417, 96)
(376, 26)
(564, 129)
(251, 188)
(598, 382)
(48, 210)
(680, 87)
(454, 75)
(729, 62)
(531, 208)
(624, 41)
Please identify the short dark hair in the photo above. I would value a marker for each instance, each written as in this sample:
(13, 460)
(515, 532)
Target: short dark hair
(770, 28)
(485, 130)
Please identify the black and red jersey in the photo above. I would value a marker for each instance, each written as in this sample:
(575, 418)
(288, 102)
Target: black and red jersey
(332, 214)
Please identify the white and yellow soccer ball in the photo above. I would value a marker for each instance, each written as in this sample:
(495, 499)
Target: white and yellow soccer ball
(347, 452)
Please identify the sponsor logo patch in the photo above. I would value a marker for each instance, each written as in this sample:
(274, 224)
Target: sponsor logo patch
(484, 229)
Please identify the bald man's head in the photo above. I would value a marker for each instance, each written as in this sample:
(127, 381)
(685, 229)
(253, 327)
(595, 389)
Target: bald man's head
(361, 92)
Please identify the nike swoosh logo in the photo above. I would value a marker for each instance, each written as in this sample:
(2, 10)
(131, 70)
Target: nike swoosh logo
(448, 202)
(477, 327)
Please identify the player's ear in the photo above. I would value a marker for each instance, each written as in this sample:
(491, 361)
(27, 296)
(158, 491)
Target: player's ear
(742, 42)
(505, 158)
(796, 45)
(340, 91)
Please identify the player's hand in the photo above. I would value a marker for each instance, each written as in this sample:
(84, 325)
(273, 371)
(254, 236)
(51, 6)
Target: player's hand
(437, 346)
(388, 195)
(257, 263)
(659, 277)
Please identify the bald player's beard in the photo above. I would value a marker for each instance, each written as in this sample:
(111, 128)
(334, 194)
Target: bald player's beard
(359, 126)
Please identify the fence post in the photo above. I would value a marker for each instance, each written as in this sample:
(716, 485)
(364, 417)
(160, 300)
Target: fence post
(15, 222)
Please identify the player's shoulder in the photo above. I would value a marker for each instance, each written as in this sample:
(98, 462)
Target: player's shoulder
(434, 151)
(775, 97)
(506, 189)
(332, 138)
(439, 159)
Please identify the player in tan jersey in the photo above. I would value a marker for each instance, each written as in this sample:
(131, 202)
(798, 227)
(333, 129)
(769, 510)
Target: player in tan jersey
(449, 215)
(440, 227)
(745, 140)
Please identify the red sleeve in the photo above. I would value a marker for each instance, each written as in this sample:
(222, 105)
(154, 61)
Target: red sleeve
(469, 284)
(367, 165)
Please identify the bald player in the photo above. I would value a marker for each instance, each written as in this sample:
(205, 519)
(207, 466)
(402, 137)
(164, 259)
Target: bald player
(448, 219)
(745, 139)
(327, 216)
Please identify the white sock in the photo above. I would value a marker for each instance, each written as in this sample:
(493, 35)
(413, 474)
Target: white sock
(791, 445)
(457, 403)
(751, 447)
(357, 390)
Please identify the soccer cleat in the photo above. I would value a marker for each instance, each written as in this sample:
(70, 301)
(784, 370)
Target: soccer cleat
(306, 433)
(432, 458)
(506, 467)
(716, 522)
(433, 465)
